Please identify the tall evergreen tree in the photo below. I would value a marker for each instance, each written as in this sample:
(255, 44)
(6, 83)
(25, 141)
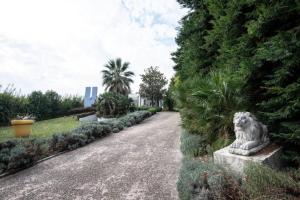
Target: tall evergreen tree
(274, 81)
(240, 55)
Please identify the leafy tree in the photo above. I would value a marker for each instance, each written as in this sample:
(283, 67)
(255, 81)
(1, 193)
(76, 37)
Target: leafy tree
(116, 77)
(37, 103)
(53, 102)
(69, 102)
(152, 86)
(112, 104)
(45, 105)
(11, 104)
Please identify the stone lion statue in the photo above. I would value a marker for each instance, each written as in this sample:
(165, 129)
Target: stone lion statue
(251, 135)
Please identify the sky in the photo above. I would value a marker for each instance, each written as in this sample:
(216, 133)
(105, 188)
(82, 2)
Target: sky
(63, 45)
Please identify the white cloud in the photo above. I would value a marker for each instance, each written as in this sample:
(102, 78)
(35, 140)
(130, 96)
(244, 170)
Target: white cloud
(63, 45)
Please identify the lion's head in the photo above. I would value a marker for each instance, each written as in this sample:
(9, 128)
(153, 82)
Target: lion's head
(243, 119)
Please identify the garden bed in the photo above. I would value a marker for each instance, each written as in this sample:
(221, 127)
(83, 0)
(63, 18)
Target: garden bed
(201, 178)
(16, 154)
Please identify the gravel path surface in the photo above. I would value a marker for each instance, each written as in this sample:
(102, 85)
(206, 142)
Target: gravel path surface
(141, 162)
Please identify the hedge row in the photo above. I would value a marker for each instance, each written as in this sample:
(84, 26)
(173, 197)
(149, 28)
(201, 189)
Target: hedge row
(41, 105)
(153, 110)
(21, 153)
(80, 110)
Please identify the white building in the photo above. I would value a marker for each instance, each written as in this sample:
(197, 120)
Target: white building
(140, 101)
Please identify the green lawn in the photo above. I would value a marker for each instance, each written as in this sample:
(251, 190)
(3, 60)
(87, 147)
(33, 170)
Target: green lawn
(44, 128)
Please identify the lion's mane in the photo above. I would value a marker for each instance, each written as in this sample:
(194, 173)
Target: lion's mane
(251, 130)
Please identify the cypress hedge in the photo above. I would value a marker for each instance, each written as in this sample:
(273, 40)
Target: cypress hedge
(240, 55)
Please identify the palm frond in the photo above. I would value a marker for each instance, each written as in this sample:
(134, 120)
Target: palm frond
(125, 66)
(116, 78)
(128, 74)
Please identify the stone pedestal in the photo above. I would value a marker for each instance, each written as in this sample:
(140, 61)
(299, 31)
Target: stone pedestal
(269, 156)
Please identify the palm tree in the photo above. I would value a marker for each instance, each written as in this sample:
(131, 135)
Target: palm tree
(116, 77)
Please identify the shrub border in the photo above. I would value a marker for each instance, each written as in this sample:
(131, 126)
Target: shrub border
(61, 143)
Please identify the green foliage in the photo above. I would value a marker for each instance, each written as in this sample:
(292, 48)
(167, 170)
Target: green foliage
(42, 106)
(70, 102)
(116, 77)
(80, 110)
(15, 154)
(152, 86)
(234, 56)
(278, 87)
(154, 110)
(263, 182)
(51, 104)
(199, 178)
(205, 180)
(11, 104)
(134, 118)
(192, 145)
(142, 108)
(132, 106)
(20, 153)
(240, 55)
(219, 143)
(112, 104)
(209, 103)
(169, 102)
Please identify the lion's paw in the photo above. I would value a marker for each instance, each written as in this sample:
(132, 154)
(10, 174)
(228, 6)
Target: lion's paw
(249, 145)
(235, 144)
(245, 146)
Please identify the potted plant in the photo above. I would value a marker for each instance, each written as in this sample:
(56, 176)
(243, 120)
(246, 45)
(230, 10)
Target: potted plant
(22, 125)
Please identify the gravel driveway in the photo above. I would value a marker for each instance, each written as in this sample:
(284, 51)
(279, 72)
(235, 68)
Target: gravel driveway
(141, 162)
